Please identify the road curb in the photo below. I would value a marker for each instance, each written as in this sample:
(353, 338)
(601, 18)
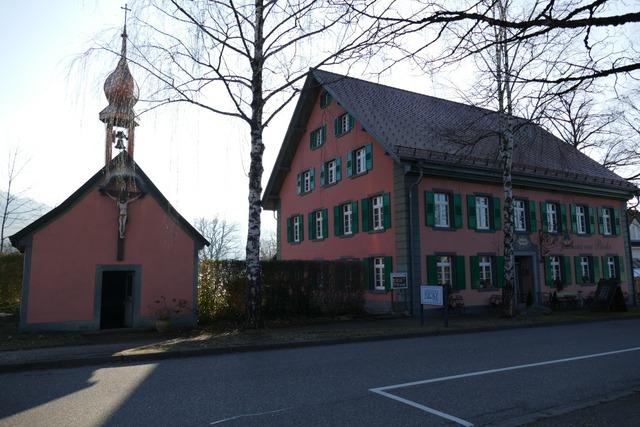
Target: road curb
(123, 359)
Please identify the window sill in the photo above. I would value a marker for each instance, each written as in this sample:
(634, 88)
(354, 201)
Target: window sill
(342, 134)
(347, 236)
(330, 184)
(318, 240)
(378, 231)
(317, 146)
(433, 227)
(483, 230)
(494, 289)
(357, 175)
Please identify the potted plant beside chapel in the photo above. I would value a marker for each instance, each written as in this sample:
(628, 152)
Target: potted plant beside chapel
(164, 311)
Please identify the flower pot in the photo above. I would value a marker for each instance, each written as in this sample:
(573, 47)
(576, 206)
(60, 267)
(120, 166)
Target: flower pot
(162, 325)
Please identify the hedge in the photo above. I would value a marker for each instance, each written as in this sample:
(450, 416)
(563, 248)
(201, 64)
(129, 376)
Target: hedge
(289, 289)
(10, 281)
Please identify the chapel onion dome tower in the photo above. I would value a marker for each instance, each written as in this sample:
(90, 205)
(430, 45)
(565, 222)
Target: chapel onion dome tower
(122, 93)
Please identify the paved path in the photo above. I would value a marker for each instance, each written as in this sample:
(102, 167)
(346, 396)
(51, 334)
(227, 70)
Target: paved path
(506, 377)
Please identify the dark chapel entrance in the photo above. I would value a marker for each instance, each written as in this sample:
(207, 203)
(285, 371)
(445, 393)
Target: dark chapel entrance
(524, 278)
(117, 303)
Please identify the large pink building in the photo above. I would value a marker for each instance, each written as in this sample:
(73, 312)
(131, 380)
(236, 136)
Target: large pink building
(411, 183)
(114, 251)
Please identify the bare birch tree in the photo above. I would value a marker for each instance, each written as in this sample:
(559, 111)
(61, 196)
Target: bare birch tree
(222, 236)
(245, 60)
(15, 206)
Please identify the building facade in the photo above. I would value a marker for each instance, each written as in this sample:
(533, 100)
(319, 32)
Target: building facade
(115, 253)
(411, 183)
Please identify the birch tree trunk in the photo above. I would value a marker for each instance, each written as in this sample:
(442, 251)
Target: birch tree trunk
(254, 288)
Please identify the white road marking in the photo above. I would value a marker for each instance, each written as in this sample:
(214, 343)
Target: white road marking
(248, 415)
(382, 390)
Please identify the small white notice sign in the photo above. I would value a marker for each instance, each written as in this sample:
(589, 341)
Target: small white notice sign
(431, 295)
(399, 280)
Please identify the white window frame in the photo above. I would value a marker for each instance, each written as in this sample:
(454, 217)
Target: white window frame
(552, 218)
(331, 171)
(378, 273)
(519, 215)
(482, 212)
(377, 212)
(296, 229)
(306, 181)
(485, 266)
(441, 210)
(319, 222)
(556, 268)
(361, 160)
(634, 230)
(606, 222)
(344, 124)
(611, 267)
(585, 269)
(347, 218)
(444, 272)
(317, 137)
(581, 219)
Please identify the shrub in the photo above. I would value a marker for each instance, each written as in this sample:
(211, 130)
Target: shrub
(10, 281)
(289, 289)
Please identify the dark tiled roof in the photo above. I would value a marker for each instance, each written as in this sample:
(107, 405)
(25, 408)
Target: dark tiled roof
(413, 125)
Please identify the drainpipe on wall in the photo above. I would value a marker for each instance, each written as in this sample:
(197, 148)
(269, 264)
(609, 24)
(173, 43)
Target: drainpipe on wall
(411, 187)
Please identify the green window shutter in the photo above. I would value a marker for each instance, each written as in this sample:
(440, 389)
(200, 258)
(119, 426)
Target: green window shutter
(312, 226)
(299, 183)
(388, 268)
(578, 269)
(368, 155)
(592, 221)
(349, 163)
(566, 270)
(367, 271)
(290, 229)
(606, 274)
(323, 133)
(337, 220)
(600, 223)
(533, 226)
(499, 271)
(595, 263)
(497, 214)
(336, 126)
(475, 272)
(574, 222)
(543, 216)
(312, 144)
(548, 277)
(301, 227)
(471, 212)
(386, 211)
(311, 178)
(563, 217)
(354, 217)
(350, 122)
(457, 211)
(325, 223)
(338, 168)
(460, 273)
(323, 174)
(432, 274)
(620, 265)
(616, 221)
(366, 213)
(429, 209)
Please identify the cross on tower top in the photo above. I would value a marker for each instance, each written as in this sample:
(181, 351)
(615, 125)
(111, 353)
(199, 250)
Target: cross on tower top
(126, 9)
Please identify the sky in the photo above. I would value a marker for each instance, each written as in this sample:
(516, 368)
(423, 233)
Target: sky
(51, 96)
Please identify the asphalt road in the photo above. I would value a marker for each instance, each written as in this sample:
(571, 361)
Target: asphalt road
(492, 378)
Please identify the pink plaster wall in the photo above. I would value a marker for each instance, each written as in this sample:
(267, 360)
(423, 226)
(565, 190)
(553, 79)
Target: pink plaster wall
(375, 181)
(469, 242)
(66, 251)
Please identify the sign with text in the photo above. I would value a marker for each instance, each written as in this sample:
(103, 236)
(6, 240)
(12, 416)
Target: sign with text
(399, 280)
(431, 295)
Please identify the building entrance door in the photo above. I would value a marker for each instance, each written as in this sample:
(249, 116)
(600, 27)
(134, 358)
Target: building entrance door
(117, 303)
(524, 278)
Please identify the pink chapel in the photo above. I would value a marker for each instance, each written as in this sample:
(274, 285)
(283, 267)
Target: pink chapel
(115, 250)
